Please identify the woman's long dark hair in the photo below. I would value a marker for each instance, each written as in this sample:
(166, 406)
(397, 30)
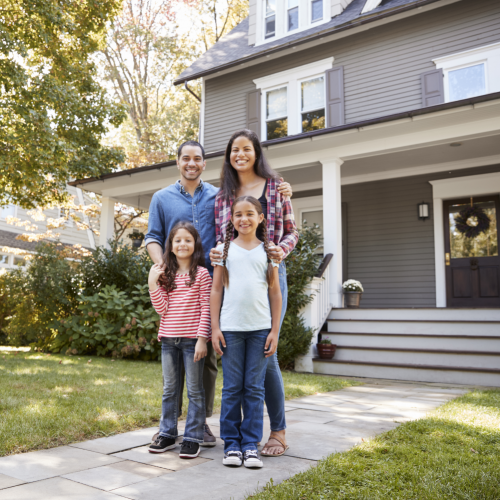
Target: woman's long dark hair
(230, 232)
(229, 181)
(167, 279)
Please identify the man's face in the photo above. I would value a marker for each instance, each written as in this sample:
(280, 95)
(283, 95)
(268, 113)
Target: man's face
(191, 163)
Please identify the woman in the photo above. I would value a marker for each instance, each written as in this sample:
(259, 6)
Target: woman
(246, 173)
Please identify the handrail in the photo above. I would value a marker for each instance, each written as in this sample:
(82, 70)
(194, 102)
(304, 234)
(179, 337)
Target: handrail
(324, 264)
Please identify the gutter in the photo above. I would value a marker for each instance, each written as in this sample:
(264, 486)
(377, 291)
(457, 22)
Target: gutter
(315, 133)
(367, 19)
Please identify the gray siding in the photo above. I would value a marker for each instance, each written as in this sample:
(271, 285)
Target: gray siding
(389, 249)
(382, 66)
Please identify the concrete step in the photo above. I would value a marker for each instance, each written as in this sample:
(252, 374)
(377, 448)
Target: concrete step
(415, 314)
(413, 372)
(452, 328)
(489, 360)
(416, 341)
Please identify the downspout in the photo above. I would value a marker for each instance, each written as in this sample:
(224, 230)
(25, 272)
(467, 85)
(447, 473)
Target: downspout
(189, 90)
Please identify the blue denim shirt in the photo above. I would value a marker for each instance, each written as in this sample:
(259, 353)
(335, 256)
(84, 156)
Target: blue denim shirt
(174, 204)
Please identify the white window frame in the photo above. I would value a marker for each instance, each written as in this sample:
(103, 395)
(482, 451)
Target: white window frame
(299, 102)
(8, 264)
(489, 55)
(281, 30)
(296, 30)
(264, 115)
(292, 79)
(8, 205)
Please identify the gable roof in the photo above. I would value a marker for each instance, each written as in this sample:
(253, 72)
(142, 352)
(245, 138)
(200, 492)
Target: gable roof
(233, 48)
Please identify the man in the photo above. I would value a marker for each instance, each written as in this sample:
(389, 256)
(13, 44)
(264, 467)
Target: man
(189, 199)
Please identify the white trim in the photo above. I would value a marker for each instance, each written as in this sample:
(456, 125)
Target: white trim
(201, 129)
(422, 170)
(370, 5)
(458, 187)
(291, 79)
(308, 209)
(90, 234)
(489, 55)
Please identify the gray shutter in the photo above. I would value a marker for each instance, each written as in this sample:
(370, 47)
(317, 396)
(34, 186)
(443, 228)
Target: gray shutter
(253, 112)
(335, 97)
(432, 87)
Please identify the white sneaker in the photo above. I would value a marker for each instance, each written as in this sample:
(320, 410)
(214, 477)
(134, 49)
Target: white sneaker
(251, 459)
(233, 457)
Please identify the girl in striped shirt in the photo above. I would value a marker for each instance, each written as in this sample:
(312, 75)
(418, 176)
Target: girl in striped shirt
(180, 293)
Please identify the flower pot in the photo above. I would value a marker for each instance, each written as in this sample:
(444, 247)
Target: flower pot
(326, 351)
(352, 299)
(136, 243)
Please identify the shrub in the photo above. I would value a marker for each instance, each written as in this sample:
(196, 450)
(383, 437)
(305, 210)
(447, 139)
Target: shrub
(111, 322)
(301, 267)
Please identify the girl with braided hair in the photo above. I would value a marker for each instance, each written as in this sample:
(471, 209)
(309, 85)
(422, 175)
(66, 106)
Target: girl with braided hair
(244, 328)
(181, 296)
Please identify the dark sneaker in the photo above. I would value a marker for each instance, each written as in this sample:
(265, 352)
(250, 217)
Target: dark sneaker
(234, 458)
(208, 438)
(189, 450)
(161, 444)
(251, 459)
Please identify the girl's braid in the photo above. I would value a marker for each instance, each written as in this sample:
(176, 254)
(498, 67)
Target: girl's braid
(227, 241)
(269, 273)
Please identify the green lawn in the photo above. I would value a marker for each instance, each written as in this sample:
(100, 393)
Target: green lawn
(453, 454)
(51, 400)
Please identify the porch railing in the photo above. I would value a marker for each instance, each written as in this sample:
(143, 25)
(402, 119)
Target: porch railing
(316, 312)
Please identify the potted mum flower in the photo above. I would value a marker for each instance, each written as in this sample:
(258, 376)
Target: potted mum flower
(352, 293)
(137, 238)
(326, 350)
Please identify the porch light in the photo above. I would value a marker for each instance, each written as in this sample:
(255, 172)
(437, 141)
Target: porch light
(423, 211)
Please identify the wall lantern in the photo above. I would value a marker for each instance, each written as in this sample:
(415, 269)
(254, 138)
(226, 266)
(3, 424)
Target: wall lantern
(423, 211)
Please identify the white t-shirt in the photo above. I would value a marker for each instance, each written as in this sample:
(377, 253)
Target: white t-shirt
(246, 300)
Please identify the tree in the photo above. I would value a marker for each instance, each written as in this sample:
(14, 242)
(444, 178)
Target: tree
(53, 113)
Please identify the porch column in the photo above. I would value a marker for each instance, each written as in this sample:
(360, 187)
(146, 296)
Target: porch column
(332, 226)
(439, 252)
(107, 221)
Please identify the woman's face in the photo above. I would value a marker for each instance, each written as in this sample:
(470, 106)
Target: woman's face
(242, 154)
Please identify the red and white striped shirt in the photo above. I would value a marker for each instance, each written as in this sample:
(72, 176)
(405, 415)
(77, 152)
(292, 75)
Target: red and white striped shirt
(185, 311)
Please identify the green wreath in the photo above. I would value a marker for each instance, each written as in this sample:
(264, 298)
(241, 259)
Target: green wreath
(465, 224)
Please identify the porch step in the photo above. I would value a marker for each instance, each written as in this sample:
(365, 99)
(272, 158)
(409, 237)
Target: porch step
(416, 314)
(453, 359)
(411, 341)
(413, 372)
(428, 327)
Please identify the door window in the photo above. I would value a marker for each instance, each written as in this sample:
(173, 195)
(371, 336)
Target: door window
(483, 245)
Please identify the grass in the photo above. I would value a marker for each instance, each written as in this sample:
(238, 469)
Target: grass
(51, 400)
(454, 453)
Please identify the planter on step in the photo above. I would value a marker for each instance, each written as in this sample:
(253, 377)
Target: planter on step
(326, 351)
(352, 299)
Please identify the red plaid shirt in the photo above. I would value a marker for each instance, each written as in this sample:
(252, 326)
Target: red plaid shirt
(281, 226)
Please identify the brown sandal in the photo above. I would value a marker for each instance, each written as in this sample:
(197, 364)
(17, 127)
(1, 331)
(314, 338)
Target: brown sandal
(284, 446)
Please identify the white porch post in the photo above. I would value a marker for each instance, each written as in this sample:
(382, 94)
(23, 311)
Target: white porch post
(107, 221)
(332, 226)
(439, 252)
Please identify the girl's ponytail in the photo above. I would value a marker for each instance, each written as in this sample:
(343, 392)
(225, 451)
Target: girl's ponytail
(269, 272)
(227, 241)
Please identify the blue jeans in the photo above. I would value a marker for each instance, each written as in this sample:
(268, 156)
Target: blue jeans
(174, 350)
(244, 369)
(273, 385)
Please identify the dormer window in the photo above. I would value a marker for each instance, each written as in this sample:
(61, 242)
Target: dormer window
(293, 15)
(270, 23)
(316, 10)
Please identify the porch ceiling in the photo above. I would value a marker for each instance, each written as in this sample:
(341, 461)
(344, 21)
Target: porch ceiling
(408, 146)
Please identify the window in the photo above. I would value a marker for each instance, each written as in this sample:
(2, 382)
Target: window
(293, 15)
(311, 216)
(19, 261)
(4, 259)
(316, 10)
(293, 101)
(471, 73)
(276, 113)
(7, 211)
(312, 99)
(270, 24)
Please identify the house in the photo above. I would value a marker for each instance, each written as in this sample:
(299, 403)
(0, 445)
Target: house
(13, 250)
(384, 115)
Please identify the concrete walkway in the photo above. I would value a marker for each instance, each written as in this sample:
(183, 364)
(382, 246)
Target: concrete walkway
(120, 466)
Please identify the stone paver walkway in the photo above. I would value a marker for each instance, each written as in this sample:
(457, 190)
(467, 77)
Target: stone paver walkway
(120, 466)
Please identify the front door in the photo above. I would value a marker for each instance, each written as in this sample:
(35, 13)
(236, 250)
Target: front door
(472, 261)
